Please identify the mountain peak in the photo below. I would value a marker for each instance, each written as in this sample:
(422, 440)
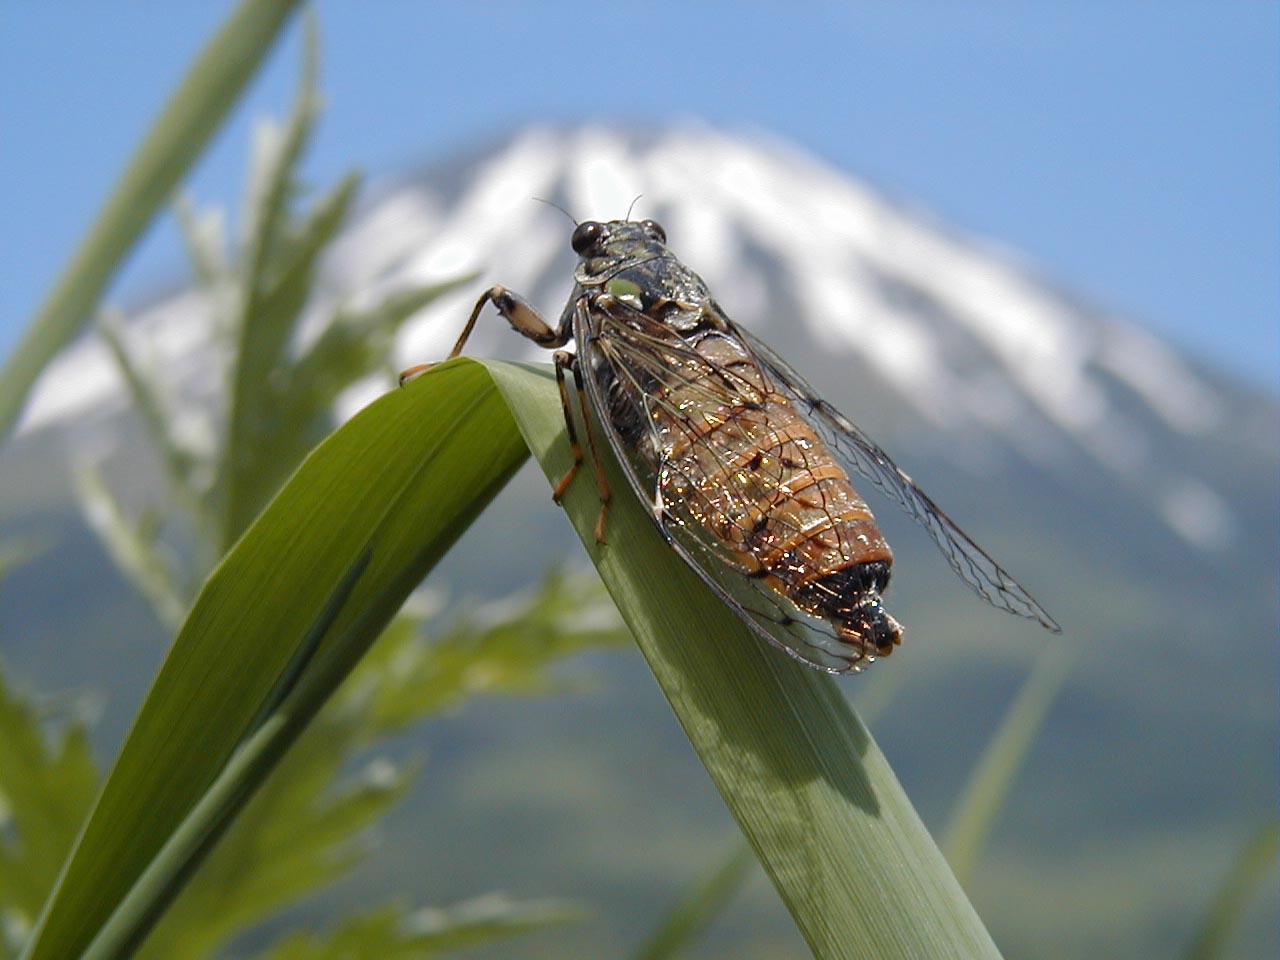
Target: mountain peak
(961, 335)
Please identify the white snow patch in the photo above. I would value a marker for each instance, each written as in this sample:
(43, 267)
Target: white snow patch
(1156, 374)
(82, 378)
(603, 176)
(389, 233)
(712, 245)
(1199, 514)
(83, 382)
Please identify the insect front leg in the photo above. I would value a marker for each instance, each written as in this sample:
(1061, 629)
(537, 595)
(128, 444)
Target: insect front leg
(523, 317)
(563, 360)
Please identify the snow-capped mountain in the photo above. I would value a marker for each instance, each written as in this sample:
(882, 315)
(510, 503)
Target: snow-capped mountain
(962, 336)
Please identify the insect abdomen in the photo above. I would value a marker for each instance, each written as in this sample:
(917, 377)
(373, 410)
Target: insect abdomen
(756, 475)
(851, 597)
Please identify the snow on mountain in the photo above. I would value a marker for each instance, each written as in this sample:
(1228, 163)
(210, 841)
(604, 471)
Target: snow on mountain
(965, 336)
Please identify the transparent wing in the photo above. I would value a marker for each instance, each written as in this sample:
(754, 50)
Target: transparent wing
(651, 363)
(973, 564)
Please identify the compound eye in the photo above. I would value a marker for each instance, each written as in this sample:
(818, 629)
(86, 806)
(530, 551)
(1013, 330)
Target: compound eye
(586, 236)
(654, 229)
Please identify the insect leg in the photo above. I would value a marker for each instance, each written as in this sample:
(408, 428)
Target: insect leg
(564, 359)
(517, 311)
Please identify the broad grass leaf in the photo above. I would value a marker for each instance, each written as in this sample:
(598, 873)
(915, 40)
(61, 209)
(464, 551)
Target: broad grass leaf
(811, 791)
(391, 489)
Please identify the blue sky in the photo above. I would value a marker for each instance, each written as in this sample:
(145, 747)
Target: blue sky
(1130, 150)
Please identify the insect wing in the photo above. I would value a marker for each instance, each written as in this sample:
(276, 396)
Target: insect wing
(860, 455)
(631, 370)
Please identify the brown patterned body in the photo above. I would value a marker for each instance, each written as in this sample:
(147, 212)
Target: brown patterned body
(741, 461)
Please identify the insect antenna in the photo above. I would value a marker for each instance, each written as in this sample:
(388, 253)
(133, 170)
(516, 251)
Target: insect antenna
(633, 206)
(550, 203)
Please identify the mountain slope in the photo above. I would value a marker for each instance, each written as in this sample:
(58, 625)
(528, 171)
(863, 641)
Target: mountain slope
(964, 337)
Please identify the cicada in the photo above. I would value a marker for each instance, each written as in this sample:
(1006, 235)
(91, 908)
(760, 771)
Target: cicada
(744, 468)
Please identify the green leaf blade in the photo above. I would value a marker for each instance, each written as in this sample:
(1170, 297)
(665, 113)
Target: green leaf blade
(397, 484)
(995, 773)
(1253, 866)
(802, 776)
(393, 934)
(689, 919)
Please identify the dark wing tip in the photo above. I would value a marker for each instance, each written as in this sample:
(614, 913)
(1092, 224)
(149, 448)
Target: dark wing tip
(1047, 621)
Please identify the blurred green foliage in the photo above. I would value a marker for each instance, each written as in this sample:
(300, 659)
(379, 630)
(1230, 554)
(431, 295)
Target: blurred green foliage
(278, 385)
(388, 934)
(691, 916)
(193, 114)
(47, 785)
(1253, 866)
(978, 806)
(307, 825)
